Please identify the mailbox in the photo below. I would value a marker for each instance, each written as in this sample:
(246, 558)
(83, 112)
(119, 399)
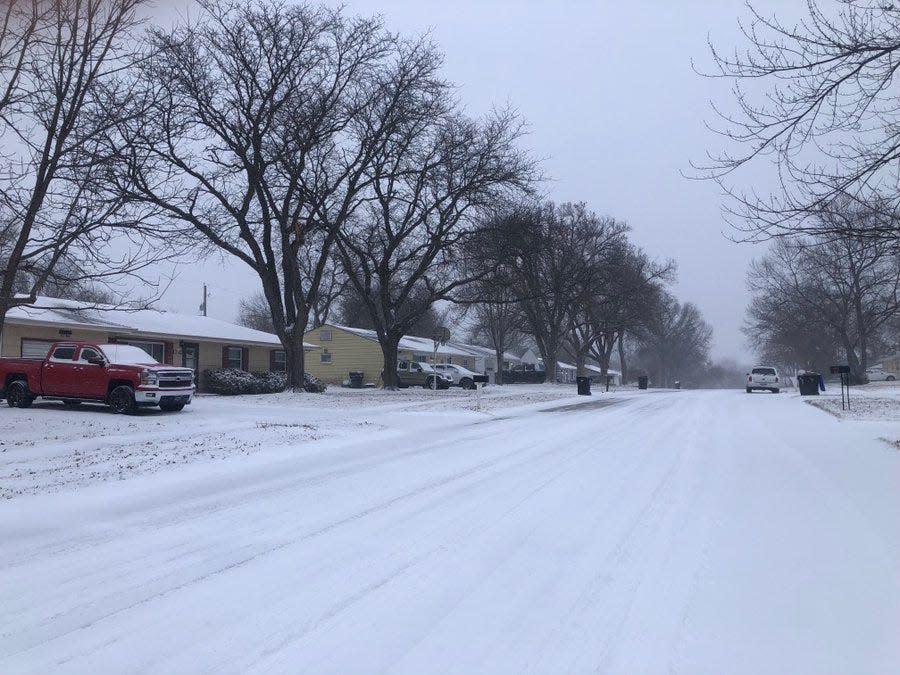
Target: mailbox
(840, 370)
(480, 379)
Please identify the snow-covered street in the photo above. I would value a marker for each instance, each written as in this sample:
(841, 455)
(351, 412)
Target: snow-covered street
(636, 532)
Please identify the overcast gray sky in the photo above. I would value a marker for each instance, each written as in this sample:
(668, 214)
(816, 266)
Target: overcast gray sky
(613, 105)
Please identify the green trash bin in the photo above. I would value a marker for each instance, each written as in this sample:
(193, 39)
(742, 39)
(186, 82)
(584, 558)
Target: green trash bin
(643, 381)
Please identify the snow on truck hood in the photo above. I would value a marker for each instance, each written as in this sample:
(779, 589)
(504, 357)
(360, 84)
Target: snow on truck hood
(128, 355)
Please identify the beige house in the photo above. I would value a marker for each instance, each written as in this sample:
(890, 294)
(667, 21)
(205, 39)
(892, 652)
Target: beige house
(341, 349)
(891, 364)
(196, 342)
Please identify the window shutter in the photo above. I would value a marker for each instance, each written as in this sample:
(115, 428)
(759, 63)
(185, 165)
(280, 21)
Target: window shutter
(271, 360)
(245, 358)
(168, 352)
(225, 357)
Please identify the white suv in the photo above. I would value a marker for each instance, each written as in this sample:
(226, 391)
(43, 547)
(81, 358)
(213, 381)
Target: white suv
(763, 377)
(462, 377)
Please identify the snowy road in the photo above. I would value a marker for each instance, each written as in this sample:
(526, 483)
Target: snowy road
(690, 532)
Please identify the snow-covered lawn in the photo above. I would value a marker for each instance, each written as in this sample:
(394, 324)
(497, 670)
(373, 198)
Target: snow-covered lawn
(879, 401)
(364, 532)
(48, 447)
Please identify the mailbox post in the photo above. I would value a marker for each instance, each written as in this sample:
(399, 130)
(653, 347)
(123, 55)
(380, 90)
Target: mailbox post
(480, 381)
(844, 372)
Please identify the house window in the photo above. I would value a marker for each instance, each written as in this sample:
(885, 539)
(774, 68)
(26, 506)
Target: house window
(234, 358)
(325, 335)
(279, 361)
(324, 357)
(155, 349)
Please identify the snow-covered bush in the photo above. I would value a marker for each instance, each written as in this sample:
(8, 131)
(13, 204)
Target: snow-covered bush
(313, 384)
(230, 382)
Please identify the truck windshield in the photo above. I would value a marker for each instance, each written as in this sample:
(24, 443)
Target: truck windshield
(127, 355)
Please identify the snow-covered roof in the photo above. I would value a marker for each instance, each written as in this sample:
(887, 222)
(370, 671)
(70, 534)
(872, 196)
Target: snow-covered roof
(408, 343)
(145, 322)
(479, 350)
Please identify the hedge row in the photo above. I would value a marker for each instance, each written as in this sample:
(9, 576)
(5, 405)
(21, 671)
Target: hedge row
(231, 382)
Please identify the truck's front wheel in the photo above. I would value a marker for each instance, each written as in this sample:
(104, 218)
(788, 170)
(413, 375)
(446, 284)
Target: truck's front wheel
(121, 400)
(18, 396)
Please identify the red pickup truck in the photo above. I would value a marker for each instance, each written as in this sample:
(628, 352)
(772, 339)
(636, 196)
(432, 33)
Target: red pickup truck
(122, 376)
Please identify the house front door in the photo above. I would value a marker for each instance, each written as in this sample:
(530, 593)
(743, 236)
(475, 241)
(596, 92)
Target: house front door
(190, 357)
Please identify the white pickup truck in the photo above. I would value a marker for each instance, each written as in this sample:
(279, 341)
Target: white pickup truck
(763, 377)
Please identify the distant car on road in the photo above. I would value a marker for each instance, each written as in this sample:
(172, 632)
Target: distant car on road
(763, 377)
(417, 374)
(459, 376)
(878, 374)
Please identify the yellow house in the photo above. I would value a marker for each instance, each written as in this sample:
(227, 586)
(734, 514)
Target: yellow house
(342, 349)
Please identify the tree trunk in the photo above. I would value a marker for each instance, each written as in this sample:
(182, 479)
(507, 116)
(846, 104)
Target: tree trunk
(622, 365)
(581, 363)
(389, 348)
(498, 372)
(295, 359)
(605, 356)
(857, 375)
(550, 367)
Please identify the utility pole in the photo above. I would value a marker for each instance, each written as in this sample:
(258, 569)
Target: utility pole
(203, 305)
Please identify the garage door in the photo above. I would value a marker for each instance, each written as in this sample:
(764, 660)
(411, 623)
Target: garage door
(35, 349)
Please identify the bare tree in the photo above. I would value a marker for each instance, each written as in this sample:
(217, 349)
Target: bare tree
(498, 323)
(258, 128)
(555, 255)
(254, 312)
(626, 298)
(333, 284)
(847, 288)
(816, 98)
(436, 176)
(602, 265)
(60, 223)
(492, 302)
(675, 342)
(791, 334)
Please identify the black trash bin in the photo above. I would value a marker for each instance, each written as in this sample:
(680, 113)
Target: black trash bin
(584, 386)
(643, 381)
(356, 379)
(677, 384)
(808, 384)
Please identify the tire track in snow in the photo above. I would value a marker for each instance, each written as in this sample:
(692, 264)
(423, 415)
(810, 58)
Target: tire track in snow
(157, 589)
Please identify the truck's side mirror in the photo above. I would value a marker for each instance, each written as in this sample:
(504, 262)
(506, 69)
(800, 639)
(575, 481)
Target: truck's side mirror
(97, 361)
